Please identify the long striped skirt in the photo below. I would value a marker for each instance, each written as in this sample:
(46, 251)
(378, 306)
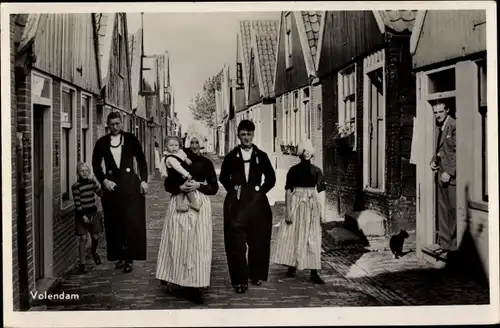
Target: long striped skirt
(185, 254)
(299, 244)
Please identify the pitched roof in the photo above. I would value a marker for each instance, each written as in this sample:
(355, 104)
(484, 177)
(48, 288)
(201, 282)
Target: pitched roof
(397, 20)
(135, 41)
(266, 44)
(312, 26)
(259, 26)
(105, 24)
(31, 23)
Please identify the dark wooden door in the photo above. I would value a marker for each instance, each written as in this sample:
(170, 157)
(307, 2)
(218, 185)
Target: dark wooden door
(38, 190)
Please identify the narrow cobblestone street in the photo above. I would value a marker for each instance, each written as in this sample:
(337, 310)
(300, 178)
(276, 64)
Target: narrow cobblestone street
(354, 277)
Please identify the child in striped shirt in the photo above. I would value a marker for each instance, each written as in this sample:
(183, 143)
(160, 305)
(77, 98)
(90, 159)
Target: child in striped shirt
(86, 218)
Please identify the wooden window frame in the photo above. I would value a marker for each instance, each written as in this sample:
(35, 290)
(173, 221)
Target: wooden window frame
(86, 138)
(352, 97)
(252, 67)
(319, 117)
(120, 43)
(481, 125)
(306, 112)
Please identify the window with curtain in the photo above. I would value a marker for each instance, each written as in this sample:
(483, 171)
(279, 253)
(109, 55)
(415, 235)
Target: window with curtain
(347, 100)
(68, 157)
(86, 124)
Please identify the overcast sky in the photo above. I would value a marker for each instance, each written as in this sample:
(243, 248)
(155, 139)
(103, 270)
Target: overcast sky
(199, 44)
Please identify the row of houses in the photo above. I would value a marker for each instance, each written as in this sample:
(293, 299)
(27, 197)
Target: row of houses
(68, 71)
(360, 85)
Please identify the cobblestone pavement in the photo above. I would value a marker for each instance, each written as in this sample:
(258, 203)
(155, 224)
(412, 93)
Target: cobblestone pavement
(353, 278)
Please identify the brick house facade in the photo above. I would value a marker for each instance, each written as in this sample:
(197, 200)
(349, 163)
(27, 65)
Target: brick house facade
(54, 117)
(368, 90)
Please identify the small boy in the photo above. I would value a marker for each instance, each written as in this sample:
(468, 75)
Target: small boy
(177, 163)
(86, 213)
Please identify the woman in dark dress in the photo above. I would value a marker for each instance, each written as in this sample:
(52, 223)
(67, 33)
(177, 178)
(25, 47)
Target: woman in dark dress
(298, 242)
(185, 254)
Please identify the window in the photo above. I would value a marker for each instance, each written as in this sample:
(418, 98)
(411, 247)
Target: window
(275, 128)
(288, 40)
(120, 45)
(306, 114)
(68, 144)
(99, 114)
(239, 76)
(252, 68)
(295, 118)
(483, 108)
(319, 117)
(347, 100)
(284, 129)
(375, 113)
(86, 132)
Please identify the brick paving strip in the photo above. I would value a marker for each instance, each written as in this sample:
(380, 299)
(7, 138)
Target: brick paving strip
(367, 284)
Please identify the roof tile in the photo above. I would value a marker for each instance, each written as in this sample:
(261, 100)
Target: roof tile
(399, 20)
(312, 27)
(259, 26)
(266, 50)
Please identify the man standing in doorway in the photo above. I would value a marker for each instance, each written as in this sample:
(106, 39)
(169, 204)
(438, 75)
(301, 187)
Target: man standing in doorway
(184, 140)
(247, 214)
(123, 198)
(443, 165)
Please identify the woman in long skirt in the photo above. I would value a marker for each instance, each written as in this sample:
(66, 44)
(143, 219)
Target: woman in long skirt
(298, 243)
(185, 254)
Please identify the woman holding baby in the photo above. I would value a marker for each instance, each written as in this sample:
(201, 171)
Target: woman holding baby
(185, 253)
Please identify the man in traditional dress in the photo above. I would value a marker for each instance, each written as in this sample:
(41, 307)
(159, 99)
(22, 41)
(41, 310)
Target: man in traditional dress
(443, 165)
(247, 214)
(123, 199)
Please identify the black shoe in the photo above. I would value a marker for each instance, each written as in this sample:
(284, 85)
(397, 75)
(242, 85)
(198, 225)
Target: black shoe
(256, 282)
(120, 264)
(82, 269)
(97, 259)
(195, 295)
(127, 268)
(240, 289)
(163, 282)
(315, 278)
(291, 272)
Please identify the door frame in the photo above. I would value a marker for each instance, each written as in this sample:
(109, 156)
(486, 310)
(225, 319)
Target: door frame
(48, 196)
(426, 193)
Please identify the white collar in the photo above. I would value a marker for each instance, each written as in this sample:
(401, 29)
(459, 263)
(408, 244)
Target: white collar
(249, 150)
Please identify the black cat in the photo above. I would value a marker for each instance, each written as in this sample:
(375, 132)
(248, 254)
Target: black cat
(396, 243)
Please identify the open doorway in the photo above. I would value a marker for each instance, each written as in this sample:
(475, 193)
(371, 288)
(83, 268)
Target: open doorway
(38, 197)
(436, 87)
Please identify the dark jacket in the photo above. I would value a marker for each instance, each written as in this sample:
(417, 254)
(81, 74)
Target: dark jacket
(233, 171)
(124, 177)
(446, 149)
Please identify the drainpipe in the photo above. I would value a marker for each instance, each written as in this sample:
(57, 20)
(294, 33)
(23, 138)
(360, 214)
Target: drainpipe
(22, 253)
